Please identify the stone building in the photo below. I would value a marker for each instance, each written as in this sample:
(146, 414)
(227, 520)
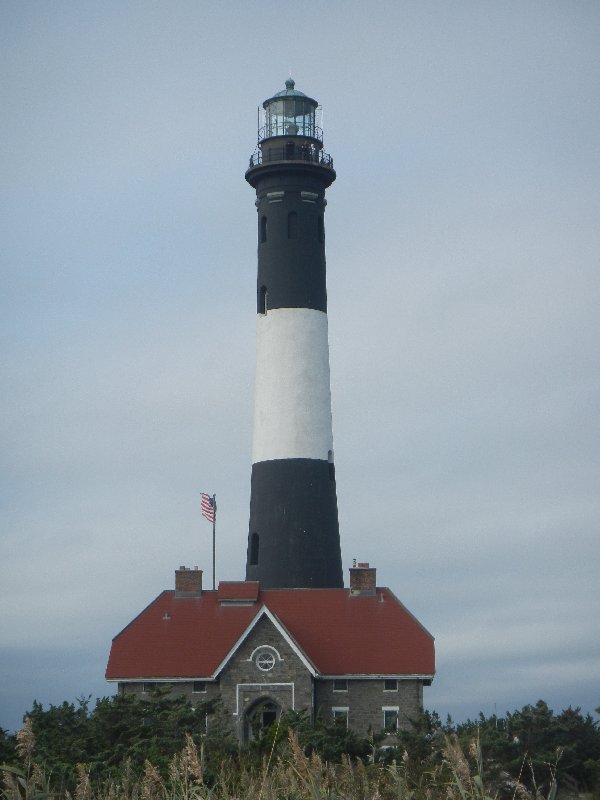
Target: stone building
(355, 656)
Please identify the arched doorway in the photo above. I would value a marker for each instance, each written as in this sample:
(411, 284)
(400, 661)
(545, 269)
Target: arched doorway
(259, 717)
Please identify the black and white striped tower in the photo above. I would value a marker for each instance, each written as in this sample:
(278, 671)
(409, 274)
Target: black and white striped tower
(293, 539)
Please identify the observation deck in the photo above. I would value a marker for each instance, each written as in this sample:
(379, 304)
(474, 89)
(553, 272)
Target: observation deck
(290, 151)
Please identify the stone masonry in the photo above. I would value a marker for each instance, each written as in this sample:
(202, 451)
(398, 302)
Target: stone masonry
(365, 701)
(243, 684)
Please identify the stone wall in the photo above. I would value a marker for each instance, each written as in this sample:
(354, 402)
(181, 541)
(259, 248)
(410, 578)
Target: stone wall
(289, 684)
(366, 699)
(186, 688)
(244, 684)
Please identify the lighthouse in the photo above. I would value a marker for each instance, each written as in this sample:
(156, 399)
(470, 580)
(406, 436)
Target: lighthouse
(288, 633)
(293, 537)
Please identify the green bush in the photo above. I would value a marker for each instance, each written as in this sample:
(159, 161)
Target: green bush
(157, 748)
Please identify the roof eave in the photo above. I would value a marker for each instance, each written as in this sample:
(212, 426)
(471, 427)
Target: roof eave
(162, 679)
(368, 676)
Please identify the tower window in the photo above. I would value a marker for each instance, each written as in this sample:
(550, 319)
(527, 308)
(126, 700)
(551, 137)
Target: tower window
(263, 229)
(262, 300)
(321, 228)
(292, 225)
(331, 465)
(254, 549)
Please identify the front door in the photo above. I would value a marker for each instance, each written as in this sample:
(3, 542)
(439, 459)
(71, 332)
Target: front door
(259, 718)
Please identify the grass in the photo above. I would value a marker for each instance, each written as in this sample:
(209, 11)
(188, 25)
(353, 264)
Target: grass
(288, 773)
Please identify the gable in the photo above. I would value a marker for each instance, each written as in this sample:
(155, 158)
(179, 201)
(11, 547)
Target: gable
(265, 621)
(265, 637)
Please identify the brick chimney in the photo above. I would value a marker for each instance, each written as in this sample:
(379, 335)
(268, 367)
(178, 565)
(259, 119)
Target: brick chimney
(188, 582)
(362, 579)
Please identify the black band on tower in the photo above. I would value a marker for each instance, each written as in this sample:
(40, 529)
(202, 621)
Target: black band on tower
(291, 243)
(294, 534)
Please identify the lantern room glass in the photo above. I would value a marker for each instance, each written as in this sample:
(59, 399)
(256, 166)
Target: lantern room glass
(290, 116)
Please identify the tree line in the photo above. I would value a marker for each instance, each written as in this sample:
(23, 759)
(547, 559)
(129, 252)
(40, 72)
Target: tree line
(533, 748)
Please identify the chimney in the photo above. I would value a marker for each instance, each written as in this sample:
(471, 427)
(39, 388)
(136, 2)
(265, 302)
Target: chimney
(362, 579)
(188, 582)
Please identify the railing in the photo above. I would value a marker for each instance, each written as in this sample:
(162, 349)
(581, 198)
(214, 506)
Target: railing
(291, 152)
(279, 127)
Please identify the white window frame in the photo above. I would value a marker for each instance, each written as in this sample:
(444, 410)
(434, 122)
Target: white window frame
(264, 688)
(396, 710)
(265, 660)
(338, 711)
(268, 648)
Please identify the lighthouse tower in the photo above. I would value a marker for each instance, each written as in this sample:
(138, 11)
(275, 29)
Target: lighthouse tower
(293, 538)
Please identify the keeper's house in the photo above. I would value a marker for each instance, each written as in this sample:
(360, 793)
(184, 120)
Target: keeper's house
(356, 656)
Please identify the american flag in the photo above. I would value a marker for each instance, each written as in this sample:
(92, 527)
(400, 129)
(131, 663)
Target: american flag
(209, 507)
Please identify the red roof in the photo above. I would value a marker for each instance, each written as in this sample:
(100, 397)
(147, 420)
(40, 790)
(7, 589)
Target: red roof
(340, 634)
(238, 590)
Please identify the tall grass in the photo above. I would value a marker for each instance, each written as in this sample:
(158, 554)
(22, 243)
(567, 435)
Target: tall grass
(288, 773)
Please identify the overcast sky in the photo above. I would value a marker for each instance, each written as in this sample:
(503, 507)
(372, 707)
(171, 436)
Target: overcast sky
(463, 255)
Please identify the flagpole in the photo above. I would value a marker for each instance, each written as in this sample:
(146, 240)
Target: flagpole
(214, 537)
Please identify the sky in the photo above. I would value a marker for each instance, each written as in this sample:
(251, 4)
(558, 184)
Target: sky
(463, 258)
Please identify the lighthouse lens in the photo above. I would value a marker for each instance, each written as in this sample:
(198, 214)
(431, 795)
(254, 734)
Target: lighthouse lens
(290, 118)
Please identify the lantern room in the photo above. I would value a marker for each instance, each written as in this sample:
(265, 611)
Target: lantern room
(289, 131)
(290, 113)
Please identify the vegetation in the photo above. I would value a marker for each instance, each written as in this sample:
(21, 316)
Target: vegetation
(158, 749)
(541, 744)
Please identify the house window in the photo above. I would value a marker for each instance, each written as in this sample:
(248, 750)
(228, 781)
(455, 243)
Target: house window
(147, 686)
(254, 550)
(390, 686)
(340, 716)
(263, 229)
(262, 300)
(198, 686)
(265, 660)
(390, 718)
(340, 685)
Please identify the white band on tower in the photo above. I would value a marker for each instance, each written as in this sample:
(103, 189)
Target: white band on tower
(292, 411)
